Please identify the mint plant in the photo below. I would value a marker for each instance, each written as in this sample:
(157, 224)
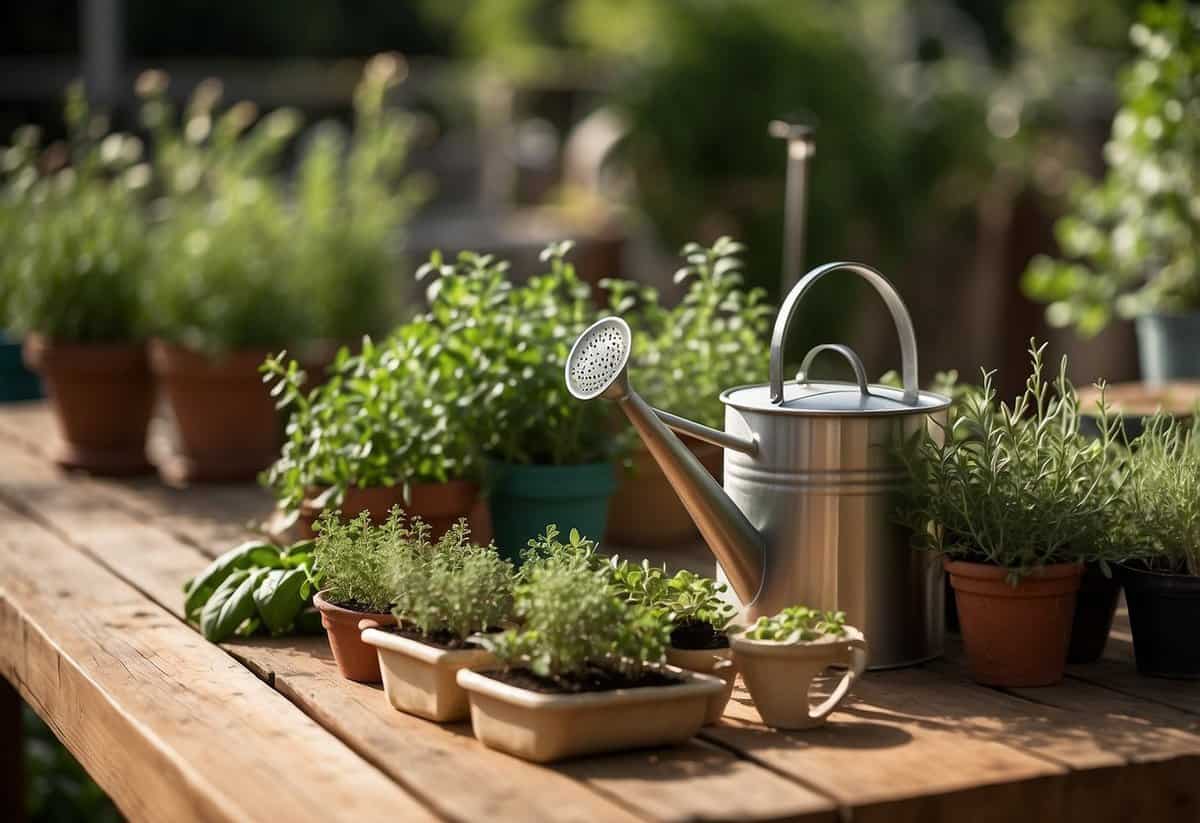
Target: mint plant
(798, 624)
(73, 228)
(453, 588)
(715, 338)
(1016, 486)
(1130, 239)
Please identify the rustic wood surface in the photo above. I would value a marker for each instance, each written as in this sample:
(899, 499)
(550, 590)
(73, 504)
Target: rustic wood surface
(92, 636)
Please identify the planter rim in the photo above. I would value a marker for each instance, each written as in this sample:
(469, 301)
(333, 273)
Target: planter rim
(694, 684)
(324, 605)
(41, 352)
(986, 571)
(1163, 582)
(423, 651)
(797, 648)
(169, 358)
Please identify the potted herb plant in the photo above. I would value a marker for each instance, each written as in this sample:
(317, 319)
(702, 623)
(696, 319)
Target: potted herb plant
(77, 262)
(581, 674)
(1129, 239)
(779, 657)
(1161, 526)
(550, 459)
(351, 567)
(685, 356)
(389, 427)
(696, 616)
(446, 593)
(1011, 505)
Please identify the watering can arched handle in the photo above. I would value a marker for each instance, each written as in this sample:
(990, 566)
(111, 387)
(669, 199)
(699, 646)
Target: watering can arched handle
(904, 326)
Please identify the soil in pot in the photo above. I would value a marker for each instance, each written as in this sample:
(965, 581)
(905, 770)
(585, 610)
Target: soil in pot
(228, 427)
(1015, 636)
(102, 396)
(527, 716)
(524, 499)
(17, 382)
(355, 659)
(1095, 605)
(438, 504)
(1164, 610)
(645, 511)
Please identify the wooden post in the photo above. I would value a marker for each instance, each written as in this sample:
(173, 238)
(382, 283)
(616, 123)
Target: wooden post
(12, 755)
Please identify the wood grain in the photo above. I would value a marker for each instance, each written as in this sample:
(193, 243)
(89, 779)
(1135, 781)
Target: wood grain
(432, 762)
(168, 725)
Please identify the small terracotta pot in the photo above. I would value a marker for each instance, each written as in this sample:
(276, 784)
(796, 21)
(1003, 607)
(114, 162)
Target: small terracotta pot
(1095, 606)
(355, 659)
(438, 504)
(102, 396)
(547, 727)
(718, 663)
(1015, 636)
(228, 427)
(779, 675)
(645, 510)
(421, 679)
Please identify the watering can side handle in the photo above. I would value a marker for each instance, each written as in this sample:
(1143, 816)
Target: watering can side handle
(904, 325)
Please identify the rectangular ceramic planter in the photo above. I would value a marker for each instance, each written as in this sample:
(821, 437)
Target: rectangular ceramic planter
(547, 727)
(420, 679)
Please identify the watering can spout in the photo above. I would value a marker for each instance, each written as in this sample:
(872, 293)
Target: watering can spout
(596, 368)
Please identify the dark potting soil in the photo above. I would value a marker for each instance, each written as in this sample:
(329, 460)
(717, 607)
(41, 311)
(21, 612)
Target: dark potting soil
(361, 608)
(441, 639)
(695, 635)
(595, 679)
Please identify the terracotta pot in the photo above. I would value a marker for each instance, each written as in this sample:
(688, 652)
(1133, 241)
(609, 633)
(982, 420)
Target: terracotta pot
(1015, 635)
(1095, 606)
(438, 504)
(102, 396)
(355, 659)
(421, 679)
(228, 427)
(645, 510)
(718, 663)
(547, 727)
(1164, 610)
(779, 675)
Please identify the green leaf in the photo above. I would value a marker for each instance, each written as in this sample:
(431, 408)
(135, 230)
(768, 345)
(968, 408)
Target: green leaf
(245, 556)
(230, 605)
(279, 598)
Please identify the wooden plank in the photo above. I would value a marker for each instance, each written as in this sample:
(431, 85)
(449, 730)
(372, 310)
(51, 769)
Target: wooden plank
(168, 725)
(12, 754)
(907, 746)
(431, 761)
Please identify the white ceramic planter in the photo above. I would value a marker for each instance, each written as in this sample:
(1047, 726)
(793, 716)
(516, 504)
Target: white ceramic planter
(779, 675)
(546, 727)
(717, 662)
(420, 679)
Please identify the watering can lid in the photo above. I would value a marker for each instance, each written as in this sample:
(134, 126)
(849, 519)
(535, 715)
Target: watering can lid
(832, 397)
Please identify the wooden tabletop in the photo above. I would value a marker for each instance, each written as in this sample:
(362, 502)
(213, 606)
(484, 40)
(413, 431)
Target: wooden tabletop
(174, 728)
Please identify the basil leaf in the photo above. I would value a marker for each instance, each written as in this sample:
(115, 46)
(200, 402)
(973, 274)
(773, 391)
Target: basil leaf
(201, 587)
(279, 598)
(309, 622)
(230, 604)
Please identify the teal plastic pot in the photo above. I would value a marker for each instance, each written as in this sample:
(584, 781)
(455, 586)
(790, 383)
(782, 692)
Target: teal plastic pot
(524, 499)
(1169, 346)
(16, 381)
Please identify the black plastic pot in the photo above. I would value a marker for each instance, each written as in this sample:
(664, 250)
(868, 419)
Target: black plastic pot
(1164, 610)
(1095, 605)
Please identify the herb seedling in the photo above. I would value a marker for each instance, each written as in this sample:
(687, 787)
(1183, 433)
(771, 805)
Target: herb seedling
(798, 624)
(354, 561)
(690, 603)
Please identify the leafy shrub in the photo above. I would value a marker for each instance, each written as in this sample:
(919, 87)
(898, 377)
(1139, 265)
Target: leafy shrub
(1159, 520)
(798, 624)
(1015, 485)
(571, 621)
(1130, 239)
(453, 588)
(354, 562)
(400, 412)
(680, 599)
(74, 232)
(714, 339)
(548, 551)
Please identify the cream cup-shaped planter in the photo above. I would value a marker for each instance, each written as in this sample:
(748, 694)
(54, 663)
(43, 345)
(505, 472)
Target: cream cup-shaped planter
(717, 662)
(546, 727)
(420, 679)
(779, 674)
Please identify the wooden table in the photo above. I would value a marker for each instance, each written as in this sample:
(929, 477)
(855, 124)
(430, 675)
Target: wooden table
(174, 728)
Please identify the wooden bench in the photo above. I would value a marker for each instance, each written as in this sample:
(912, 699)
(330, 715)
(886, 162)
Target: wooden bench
(174, 728)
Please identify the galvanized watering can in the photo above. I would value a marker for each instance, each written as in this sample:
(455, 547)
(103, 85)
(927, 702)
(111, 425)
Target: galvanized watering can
(811, 474)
